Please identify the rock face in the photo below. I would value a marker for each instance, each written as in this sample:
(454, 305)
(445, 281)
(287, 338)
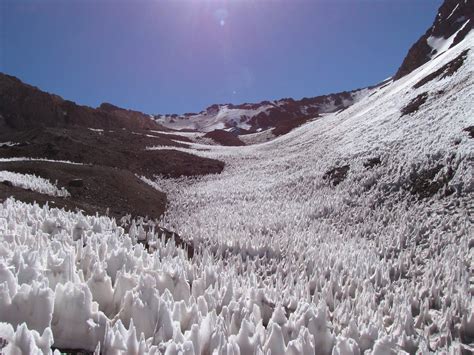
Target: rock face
(24, 106)
(454, 16)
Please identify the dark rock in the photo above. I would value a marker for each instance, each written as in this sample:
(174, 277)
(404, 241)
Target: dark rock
(237, 131)
(422, 182)
(414, 104)
(7, 183)
(51, 150)
(76, 183)
(370, 163)
(336, 175)
(108, 107)
(469, 130)
(445, 71)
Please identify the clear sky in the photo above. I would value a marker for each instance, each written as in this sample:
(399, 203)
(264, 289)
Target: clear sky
(176, 56)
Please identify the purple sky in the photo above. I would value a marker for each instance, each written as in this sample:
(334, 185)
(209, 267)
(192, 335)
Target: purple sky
(175, 56)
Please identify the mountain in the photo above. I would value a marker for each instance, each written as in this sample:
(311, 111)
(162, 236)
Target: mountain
(454, 21)
(281, 115)
(23, 106)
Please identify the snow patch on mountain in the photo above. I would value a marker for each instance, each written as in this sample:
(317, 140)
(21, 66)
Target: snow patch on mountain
(221, 118)
(441, 44)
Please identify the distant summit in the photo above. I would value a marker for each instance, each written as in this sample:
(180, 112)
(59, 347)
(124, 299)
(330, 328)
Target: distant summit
(454, 21)
(280, 116)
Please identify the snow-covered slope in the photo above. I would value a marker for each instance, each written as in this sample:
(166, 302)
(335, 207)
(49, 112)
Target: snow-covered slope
(406, 256)
(351, 233)
(261, 116)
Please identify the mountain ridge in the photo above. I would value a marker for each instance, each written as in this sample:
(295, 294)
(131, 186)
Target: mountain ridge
(24, 106)
(454, 21)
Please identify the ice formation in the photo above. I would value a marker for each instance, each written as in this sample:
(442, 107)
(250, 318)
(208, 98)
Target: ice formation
(33, 182)
(285, 262)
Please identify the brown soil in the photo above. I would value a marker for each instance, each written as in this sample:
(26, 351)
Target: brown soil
(286, 126)
(104, 189)
(93, 189)
(118, 149)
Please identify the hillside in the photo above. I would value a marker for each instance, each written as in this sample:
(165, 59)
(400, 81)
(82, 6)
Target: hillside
(107, 146)
(24, 106)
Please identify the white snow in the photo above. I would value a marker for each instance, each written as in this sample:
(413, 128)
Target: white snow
(441, 44)
(98, 130)
(33, 183)
(256, 138)
(8, 144)
(284, 262)
(38, 159)
(452, 12)
(219, 119)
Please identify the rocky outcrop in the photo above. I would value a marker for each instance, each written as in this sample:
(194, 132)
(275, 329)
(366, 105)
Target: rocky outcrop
(23, 106)
(453, 16)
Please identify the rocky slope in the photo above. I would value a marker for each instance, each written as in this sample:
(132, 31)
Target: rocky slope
(454, 20)
(23, 106)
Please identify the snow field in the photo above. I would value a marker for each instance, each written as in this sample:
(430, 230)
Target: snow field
(272, 204)
(285, 263)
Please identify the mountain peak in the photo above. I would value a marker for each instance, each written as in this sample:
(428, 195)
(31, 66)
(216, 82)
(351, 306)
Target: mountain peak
(452, 23)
